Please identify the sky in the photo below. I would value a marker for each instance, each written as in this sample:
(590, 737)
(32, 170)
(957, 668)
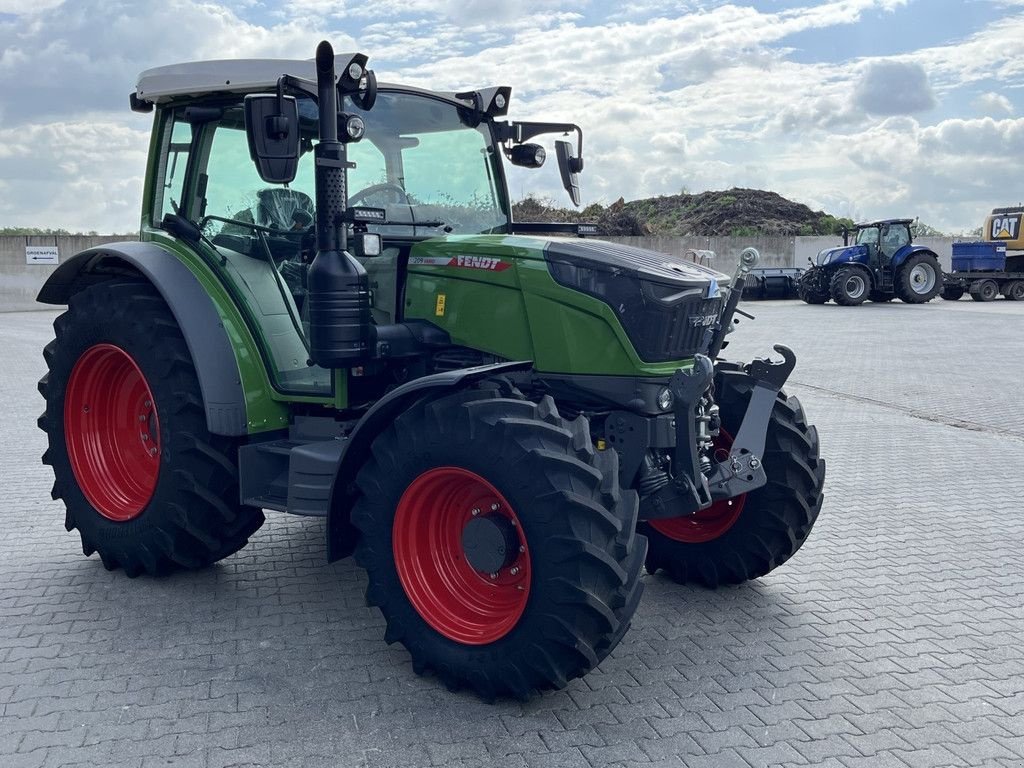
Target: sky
(862, 108)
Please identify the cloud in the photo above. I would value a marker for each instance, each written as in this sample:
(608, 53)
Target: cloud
(693, 93)
(27, 7)
(75, 184)
(993, 103)
(894, 88)
(943, 173)
(83, 57)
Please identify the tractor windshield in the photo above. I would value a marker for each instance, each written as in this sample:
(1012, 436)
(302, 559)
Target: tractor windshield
(422, 162)
(867, 236)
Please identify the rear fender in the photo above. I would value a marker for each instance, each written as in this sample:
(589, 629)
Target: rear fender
(197, 316)
(907, 251)
(340, 534)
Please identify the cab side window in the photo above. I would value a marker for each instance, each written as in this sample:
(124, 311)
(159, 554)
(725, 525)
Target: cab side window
(171, 192)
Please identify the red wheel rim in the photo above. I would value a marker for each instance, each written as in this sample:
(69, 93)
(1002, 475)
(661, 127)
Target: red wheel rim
(463, 604)
(710, 523)
(112, 432)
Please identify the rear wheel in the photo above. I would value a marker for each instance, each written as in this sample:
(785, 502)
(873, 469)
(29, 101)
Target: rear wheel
(984, 290)
(919, 279)
(143, 480)
(748, 536)
(850, 286)
(497, 543)
(1014, 290)
(808, 287)
(952, 292)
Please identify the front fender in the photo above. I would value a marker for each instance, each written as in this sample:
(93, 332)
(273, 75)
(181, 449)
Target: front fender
(192, 307)
(340, 535)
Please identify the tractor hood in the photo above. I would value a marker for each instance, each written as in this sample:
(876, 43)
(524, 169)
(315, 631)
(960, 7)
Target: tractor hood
(665, 305)
(842, 253)
(614, 259)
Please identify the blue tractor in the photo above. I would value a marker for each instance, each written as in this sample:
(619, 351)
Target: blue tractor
(878, 262)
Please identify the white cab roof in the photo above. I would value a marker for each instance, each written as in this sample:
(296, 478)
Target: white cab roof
(195, 78)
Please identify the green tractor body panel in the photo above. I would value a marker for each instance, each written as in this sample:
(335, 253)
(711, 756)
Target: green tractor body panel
(264, 409)
(495, 293)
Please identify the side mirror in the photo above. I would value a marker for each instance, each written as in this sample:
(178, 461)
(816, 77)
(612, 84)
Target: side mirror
(569, 167)
(272, 127)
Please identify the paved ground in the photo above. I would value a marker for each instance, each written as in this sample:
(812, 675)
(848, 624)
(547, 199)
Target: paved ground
(893, 638)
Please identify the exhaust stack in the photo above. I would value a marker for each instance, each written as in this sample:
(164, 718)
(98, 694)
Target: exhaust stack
(338, 291)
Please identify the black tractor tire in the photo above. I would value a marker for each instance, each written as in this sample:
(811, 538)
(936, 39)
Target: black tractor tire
(952, 292)
(773, 522)
(1014, 290)
(583, 558)
(121, 329)
(919, 279)
(807, 288)
(984, 290)
(880, 297)
(850, 286)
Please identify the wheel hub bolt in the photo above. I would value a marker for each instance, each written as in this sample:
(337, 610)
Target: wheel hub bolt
(514, 571)
(754, 463)
(494, 575)
(476, 512)
(494, 507)
(142, 417)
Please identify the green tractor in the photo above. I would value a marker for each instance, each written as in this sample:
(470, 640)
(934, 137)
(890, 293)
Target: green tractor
(502, 421)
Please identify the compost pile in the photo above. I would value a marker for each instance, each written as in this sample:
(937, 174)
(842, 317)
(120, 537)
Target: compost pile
(737, 212)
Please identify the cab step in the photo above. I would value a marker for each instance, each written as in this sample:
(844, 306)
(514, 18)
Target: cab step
(288, 475)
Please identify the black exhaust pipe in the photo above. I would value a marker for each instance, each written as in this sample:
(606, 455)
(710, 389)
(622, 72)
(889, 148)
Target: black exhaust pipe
(338, 289)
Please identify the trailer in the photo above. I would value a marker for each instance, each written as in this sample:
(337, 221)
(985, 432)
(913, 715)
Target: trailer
(985, 271)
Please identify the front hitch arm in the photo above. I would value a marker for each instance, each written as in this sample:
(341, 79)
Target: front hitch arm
(743, 471)
(686, 388)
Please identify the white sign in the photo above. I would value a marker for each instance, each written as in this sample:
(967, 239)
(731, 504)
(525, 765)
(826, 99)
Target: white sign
(41, 254)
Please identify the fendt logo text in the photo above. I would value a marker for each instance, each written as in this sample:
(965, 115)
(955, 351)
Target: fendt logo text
(703, 321)
(480, 262)
(1005, 227)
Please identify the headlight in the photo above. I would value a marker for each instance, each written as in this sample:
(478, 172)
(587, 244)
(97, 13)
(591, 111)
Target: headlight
(665, 399)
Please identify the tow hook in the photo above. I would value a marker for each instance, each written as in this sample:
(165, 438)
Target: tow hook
(743, 471)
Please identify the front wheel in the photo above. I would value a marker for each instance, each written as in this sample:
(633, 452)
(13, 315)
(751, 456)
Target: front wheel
(919, 280)
(144, 481)
(497, 543)
(746, 537)
(850, 286)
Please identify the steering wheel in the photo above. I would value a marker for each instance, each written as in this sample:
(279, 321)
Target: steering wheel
(362, 194)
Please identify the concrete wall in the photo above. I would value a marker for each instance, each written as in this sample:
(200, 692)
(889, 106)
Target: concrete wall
(20, 282)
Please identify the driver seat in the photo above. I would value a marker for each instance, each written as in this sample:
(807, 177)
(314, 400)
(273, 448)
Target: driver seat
(284, 209)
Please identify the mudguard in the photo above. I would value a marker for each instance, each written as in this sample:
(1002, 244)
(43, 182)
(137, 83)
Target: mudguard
(907, 251)
(208, 343)
(340, 538)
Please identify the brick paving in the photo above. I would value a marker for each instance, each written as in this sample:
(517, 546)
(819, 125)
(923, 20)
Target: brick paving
(892, 638)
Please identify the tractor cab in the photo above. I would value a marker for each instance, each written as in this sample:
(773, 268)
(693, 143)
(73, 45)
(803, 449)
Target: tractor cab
(882, 240)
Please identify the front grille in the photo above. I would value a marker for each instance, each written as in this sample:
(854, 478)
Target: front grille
(661, 333)
(662, 305)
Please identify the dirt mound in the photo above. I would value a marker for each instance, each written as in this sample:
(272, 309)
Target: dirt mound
(732, 212)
